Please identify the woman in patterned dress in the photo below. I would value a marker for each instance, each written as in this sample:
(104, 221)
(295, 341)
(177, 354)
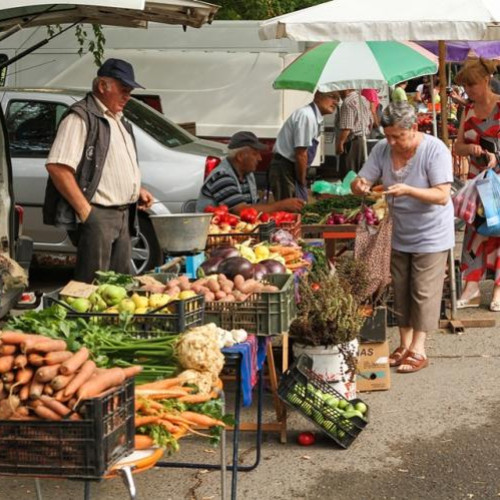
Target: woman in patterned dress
(480, 119)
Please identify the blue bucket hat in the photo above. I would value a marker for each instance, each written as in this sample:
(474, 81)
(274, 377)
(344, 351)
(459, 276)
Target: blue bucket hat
(120, 70)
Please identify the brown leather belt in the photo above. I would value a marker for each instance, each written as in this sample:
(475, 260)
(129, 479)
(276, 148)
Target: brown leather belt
(121, 208)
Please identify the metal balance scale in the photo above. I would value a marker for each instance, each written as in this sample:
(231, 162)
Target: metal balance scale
(182, 238)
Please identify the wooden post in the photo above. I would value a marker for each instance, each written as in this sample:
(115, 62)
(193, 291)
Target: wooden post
(442, 92)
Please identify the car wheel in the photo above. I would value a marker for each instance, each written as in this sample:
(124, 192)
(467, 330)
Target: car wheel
(146, 252)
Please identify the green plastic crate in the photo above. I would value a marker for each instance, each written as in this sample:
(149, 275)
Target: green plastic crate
(266, 313)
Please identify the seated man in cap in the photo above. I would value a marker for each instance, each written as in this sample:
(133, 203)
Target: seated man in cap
(94, 185)
(233, 184)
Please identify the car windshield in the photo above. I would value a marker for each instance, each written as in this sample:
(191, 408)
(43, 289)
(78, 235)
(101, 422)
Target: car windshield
(156, 125)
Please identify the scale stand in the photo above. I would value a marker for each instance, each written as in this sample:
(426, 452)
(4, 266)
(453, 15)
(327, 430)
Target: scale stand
(190, 261)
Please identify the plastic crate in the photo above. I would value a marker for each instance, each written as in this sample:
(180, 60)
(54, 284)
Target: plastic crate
(262, 232)
(297, 388)
(294, 228)
(265, 313)
(81, 449)
(184, 314)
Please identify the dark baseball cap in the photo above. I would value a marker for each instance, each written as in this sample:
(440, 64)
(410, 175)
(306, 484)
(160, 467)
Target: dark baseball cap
(120, 70)
(242, 139)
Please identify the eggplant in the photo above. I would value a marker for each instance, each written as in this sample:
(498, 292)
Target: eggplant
(259, 271)
(210, 266)
(273, 266)
(236, 265)
(224, 252)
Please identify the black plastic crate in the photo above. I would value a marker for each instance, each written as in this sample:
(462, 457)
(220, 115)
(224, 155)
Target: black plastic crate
(375, 326)
(265, 313)
(298, 388)
(81, 449)
(262, 232)
(183, 314)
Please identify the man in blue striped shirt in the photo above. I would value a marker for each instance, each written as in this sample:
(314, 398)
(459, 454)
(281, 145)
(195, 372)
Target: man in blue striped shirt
(233, 183)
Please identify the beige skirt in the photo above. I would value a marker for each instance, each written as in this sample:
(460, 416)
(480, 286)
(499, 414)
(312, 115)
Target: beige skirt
(418, 288)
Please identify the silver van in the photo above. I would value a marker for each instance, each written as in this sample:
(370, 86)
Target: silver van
(173, 164)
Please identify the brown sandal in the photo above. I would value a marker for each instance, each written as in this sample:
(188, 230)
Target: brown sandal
(415, 361)
(397, 356)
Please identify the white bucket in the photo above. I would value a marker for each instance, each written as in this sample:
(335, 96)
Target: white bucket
(329, 364)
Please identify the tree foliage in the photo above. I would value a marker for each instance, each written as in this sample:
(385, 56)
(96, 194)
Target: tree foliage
(259, 9)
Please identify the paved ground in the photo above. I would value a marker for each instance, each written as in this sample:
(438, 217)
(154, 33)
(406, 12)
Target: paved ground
(433, 436)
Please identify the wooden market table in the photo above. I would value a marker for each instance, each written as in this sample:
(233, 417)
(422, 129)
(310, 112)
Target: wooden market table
(332, 234)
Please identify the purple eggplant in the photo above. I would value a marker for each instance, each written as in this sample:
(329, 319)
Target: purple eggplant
(273, 266)
(236, 265)
(210, 266)
(259, 271)
(224, 252)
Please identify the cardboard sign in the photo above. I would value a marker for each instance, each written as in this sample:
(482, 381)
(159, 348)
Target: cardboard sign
(78, 289)
(374, 373)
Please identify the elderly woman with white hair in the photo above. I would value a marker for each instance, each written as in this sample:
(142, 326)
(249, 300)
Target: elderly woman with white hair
(416, 171)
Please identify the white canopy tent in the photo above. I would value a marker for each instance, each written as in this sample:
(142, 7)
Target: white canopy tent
(356, 20)
(127, 13)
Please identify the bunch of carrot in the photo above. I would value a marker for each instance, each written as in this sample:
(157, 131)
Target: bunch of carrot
(151, 413)
(40, 378)
(293, 256)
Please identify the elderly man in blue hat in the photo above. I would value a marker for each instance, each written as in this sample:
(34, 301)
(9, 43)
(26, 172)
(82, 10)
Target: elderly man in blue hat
(94, 186)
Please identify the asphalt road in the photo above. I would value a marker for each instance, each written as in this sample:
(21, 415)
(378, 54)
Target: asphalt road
(432, 436)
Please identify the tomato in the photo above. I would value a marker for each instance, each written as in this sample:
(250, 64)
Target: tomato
(210, 209)
(315, 287)
(265, 218)
(306, 439)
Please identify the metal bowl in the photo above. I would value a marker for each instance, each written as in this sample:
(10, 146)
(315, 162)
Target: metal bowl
(181, 233)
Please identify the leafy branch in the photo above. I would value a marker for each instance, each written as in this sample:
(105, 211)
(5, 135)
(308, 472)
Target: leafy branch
(94, 45)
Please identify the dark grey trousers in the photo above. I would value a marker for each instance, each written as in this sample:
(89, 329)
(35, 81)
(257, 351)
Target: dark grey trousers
(104, 243)
(282, 178)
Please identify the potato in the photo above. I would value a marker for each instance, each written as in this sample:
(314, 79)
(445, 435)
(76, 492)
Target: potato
(173, 283)
(196, 288)
(173, 291)
(223, 281)
(201, 282)
(213, 286)
(226, 289)
(220, 295)
(239, 281)
(270, 288)
(248, 286)
(209, 296)
(228, 298)
(184, 283)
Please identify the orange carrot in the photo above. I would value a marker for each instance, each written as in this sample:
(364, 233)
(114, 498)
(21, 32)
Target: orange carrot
(132, 371)
(8, 349)
(36, 359)
(60, 381)
(148, 420)
(36, 388)
(8, 337)
(201, 420)
(195, 398)
(100, 383)
(59, 408)
(57, 357)
(80, 378)
(6, 363)
(24, 393)
(162, 384)
(47, 373)
(45, 346)
(20, 361)
(142, 442)
(24, 376)
(46, 413)
(47, 389)
(172, 428)
(72, 364)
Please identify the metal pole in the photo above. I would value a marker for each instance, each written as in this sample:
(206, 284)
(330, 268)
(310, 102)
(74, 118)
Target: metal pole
(434, 118)
(363, 134)
(453, 284)
(442, 92)
(223, 458)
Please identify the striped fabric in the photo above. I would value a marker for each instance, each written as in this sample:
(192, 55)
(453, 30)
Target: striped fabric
(224, 190)
(480, 253)
(350, 117)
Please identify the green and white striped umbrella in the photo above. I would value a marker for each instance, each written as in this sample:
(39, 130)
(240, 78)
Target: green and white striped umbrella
(356, 65)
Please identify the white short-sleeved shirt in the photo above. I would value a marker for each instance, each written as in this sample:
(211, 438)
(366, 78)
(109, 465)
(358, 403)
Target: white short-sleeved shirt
(418, 227)
(299, 130)
(121, 178)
